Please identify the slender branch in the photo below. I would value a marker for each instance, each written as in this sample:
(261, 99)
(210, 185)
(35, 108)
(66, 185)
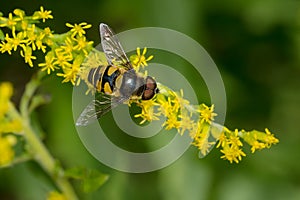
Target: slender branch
(37, 149)
(47, 162)
(30, 89)
(17, 160)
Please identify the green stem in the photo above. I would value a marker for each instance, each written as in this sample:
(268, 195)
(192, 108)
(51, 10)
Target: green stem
(47, 162)
(37, 149)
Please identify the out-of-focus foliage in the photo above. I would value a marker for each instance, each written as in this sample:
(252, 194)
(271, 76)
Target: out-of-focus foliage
(255, 44)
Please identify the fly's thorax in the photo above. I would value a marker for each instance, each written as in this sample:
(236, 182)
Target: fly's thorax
(140, 86)
(131, 82)
(134, 84)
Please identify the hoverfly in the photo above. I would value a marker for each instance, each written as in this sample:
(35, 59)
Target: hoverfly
(116, 82)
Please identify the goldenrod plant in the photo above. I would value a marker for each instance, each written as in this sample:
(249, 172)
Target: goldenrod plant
(69, 55)
(63, 53)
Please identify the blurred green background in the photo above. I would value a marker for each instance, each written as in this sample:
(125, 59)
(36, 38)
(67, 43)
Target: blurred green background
(256, 46)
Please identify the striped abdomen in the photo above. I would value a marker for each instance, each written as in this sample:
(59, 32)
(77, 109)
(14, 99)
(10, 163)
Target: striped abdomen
(103, 78)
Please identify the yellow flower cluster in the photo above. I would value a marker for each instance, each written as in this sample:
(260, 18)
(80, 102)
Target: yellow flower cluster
(64, 52)
(197, 121)
(180, 115)
(177, 110)
(25, 34)
(8, 125)
(231, 143)
(66, 55)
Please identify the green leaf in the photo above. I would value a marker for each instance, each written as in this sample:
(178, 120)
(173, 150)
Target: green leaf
(94, 181)
(91, 179)
(1, 35)
(76, 173)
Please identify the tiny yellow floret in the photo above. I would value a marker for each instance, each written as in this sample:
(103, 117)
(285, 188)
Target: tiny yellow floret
(78, 29)
(206, 113)
(139, 59)
(42, 14)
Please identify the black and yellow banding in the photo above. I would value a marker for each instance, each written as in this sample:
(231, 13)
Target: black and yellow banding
(103, 78)
(94, 76)
(116, 81)
(109, 79)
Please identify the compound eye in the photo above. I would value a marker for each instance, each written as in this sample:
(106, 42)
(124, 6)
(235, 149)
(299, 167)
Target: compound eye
(148, 94)
(150, 89)
(150, 83)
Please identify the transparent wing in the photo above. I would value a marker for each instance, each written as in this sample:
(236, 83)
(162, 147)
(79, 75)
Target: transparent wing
(97, 108)
(112, 48)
